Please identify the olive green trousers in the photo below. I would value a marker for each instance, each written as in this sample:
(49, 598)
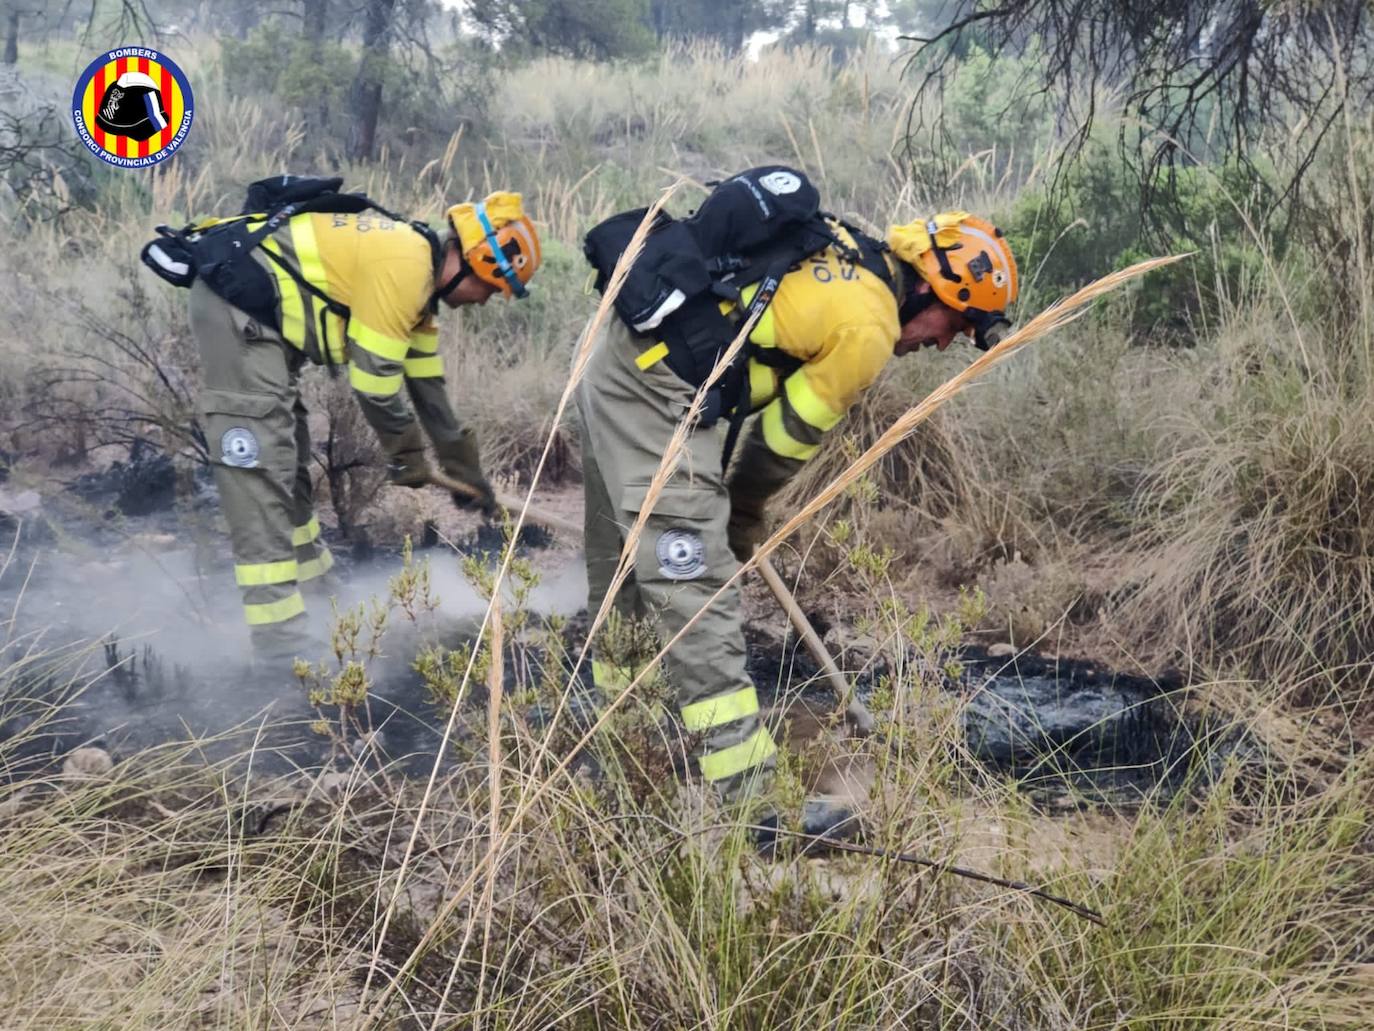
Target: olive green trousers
(259, 444)
(681, 558)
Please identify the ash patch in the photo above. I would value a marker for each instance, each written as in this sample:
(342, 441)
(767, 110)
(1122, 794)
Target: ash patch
(490, 538)
(1059, 724)
(143, 485)
(1064, 729)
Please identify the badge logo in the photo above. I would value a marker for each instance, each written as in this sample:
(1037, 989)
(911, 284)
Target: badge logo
(132, 107)
(780, 183)
(681, 554)
(239, 448)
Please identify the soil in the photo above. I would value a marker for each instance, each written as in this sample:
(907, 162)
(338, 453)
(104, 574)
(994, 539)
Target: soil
(172, 662)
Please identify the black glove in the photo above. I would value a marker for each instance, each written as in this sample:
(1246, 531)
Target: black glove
(746, 529)
(459, 460)
(406, 463)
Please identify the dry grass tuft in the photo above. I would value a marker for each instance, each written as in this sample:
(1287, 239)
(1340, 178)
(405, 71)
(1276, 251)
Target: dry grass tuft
(511, 889)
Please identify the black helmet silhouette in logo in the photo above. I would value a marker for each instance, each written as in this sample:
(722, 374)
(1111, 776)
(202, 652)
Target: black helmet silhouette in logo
(132, 107)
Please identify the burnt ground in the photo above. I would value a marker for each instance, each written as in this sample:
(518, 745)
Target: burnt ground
(1058, 726)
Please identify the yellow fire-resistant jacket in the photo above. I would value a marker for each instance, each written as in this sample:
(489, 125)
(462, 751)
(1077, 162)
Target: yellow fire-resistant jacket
(840, 321)
(384, 272)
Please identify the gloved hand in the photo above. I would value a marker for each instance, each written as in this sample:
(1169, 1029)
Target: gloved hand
(406, 463)
(746, 529)
(459, 460)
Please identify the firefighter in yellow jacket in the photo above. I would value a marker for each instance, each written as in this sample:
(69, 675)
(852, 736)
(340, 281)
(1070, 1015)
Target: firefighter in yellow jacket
(358, 291)
(832, 326)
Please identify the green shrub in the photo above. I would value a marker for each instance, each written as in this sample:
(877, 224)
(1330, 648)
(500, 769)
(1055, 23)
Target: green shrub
(1091, 222)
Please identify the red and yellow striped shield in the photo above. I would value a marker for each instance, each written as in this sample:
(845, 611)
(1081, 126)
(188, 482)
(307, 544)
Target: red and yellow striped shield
(132, 107)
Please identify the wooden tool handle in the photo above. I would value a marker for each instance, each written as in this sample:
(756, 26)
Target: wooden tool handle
(855, 709)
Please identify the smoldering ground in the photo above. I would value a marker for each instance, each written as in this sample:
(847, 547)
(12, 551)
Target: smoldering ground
(133, 640)
(141, 642)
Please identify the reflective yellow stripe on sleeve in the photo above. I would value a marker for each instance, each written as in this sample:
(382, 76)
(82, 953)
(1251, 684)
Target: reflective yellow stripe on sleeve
(275, 611)
(382, 346)
(763, 383)
(260, 574)
(307, 533)
(308, 252)
(754, 750)
(722, 709)
(649, 358)
(424, 368)
(777, 438)
(802, 396)
(765, 332)
(367, 383)
(316, 567)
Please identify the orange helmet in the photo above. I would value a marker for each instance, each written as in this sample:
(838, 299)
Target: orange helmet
(498, 241)
(968, 264)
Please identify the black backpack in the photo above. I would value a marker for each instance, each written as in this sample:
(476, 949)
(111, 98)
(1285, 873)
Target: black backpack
(752, 228)
(218, 251)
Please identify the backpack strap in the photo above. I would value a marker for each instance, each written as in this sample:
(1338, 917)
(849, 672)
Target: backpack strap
(763, 297)
(330, 203)
(329, 305)
(214, 249)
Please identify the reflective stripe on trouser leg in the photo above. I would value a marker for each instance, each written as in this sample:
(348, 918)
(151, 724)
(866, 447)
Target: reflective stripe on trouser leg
(306, 534)
(313, 558)
(610, 679)
(249, 409)
(314, 568)
(682, 557)
(713, 715)
(258, 574)
(754, 753)
(266, 613)
(719, 710)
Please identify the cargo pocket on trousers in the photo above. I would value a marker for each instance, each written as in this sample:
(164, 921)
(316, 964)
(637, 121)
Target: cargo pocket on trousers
(244, 431)
(684, 534)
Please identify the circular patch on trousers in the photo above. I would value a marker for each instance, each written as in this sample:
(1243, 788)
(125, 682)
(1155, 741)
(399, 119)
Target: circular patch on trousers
(681, 554)
(239, 448)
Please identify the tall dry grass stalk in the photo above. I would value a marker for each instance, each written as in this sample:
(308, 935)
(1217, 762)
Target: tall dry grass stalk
(590, 335)
(667, 465)
(1053, 318)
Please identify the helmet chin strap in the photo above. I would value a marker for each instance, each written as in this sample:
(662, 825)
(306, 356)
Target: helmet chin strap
(914, 303)
(441, 292)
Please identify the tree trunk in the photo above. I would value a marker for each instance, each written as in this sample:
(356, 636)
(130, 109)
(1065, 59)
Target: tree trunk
(12, 33)
(313, 19)
(736, 41)
(366, 97)
(724, 20)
